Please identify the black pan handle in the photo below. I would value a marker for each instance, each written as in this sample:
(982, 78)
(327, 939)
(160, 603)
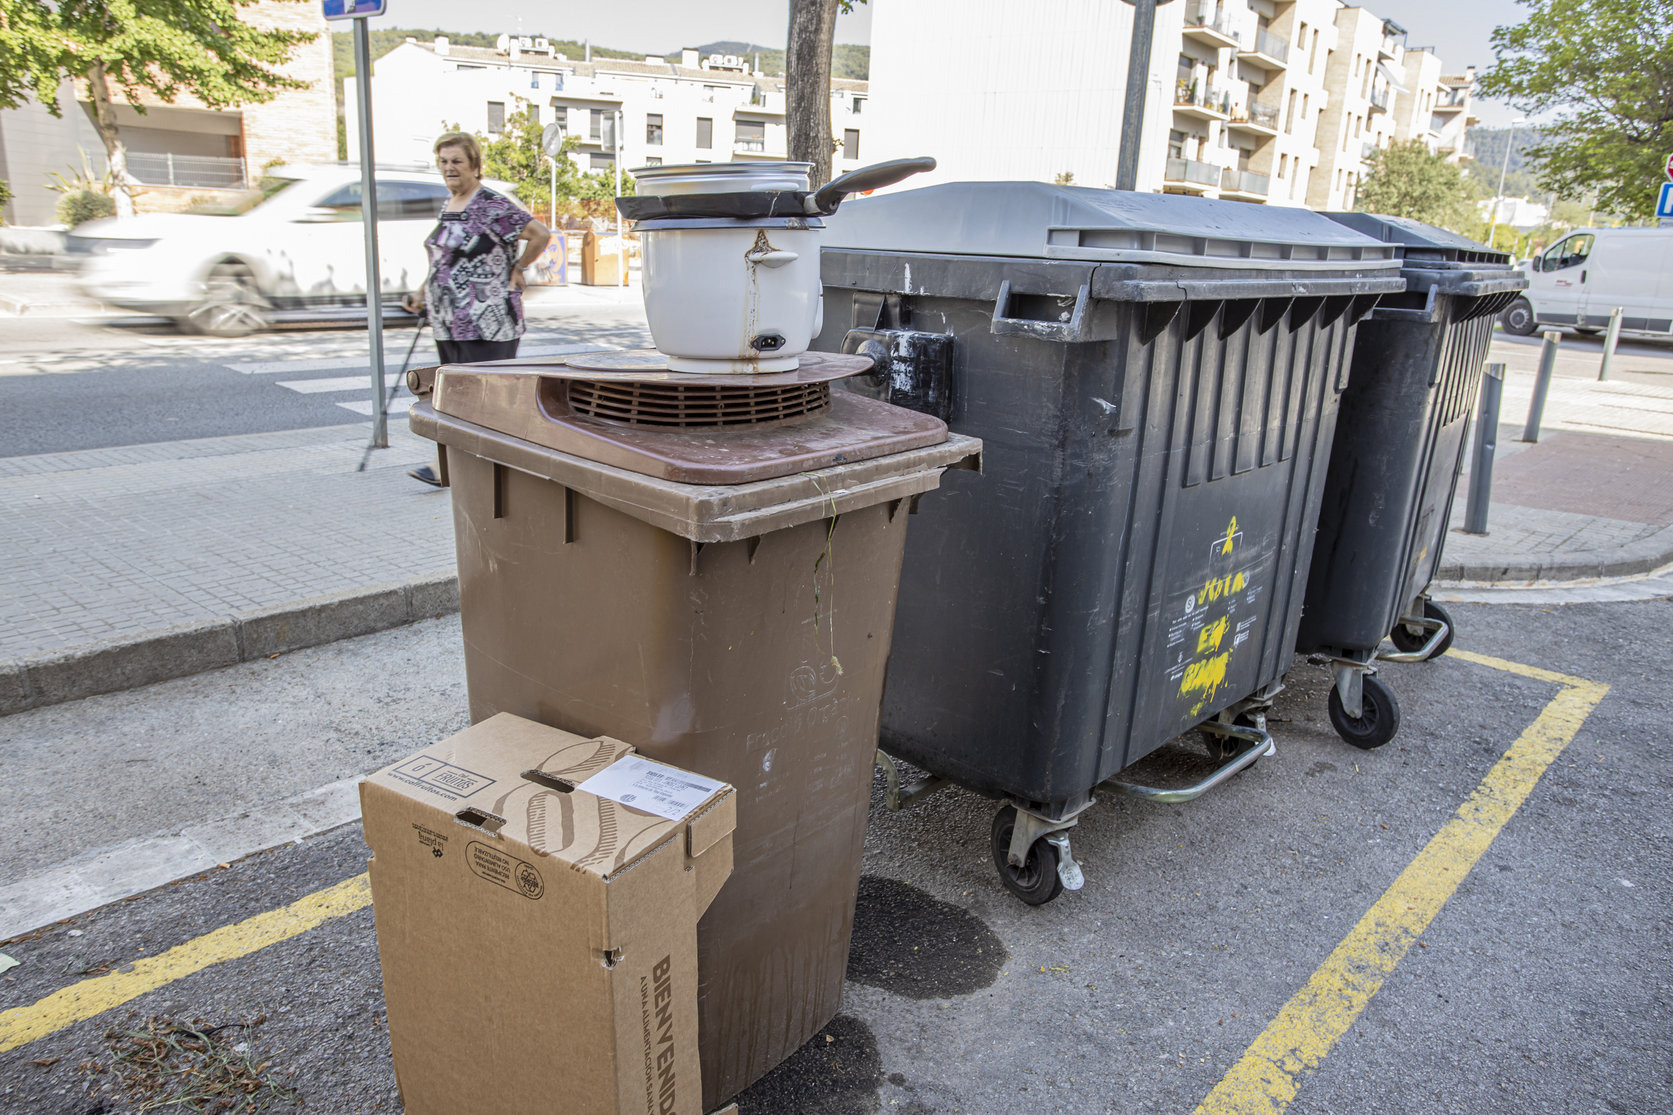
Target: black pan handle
(826, 199)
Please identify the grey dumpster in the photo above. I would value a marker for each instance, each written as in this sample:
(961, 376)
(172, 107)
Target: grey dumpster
(1155, 381)
(1394, 466)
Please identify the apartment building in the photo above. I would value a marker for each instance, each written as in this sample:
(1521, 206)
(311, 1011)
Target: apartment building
(697, 110)
(1268, 101)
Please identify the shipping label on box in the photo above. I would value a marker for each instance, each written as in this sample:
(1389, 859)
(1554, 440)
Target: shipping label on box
(539, 939)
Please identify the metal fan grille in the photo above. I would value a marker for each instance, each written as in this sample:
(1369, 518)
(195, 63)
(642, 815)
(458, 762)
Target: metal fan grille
(683, 404)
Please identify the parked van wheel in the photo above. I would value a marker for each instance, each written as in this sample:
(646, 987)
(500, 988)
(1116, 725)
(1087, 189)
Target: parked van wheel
(1518, 318)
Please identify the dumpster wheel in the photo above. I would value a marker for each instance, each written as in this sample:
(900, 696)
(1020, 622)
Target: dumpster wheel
(1036, 881)
(1408, 643)
(1379, 716)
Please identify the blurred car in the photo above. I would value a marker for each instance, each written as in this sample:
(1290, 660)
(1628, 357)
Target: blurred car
(292, 249)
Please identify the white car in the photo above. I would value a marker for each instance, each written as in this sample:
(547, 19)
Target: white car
(293, 249)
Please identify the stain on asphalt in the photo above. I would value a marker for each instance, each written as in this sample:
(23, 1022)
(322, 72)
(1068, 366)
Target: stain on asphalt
(917, 946)
(837, 1072)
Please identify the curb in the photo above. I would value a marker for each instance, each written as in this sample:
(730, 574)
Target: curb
(1646, 555)
(188, 649)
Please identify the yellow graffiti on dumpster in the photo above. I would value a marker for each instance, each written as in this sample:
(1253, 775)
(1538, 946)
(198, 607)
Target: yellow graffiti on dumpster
(1231, 536)
(1210, 637)
(1216, 587)
(1205, 676)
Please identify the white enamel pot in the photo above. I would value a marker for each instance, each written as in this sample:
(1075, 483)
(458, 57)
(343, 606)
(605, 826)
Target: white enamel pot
(735, 297)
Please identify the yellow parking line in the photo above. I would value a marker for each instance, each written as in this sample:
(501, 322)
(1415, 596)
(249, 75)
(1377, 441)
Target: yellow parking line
(98, 994)
(1267, 1077)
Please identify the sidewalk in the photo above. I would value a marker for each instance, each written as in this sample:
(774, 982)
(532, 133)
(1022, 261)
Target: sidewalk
(133, 565)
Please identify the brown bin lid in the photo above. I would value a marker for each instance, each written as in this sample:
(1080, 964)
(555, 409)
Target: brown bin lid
(628, 411)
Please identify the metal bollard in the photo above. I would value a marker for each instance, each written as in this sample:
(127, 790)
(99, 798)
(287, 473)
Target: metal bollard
(1610, 339)
(1542, 386)
(1486, 441)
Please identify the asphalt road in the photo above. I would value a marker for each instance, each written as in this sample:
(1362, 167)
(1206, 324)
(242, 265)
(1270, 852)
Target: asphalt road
(89, 383)
(1534, 972)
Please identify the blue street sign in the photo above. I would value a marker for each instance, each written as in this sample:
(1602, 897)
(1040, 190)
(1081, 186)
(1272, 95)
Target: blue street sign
(1664, 203)
(354, 9)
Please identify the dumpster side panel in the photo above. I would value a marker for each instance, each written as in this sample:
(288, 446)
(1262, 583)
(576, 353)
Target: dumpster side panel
(671, 646)
(1393, 473)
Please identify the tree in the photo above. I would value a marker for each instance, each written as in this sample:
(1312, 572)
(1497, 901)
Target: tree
(1606, 68)
(807, 84)
(1407, 180)
(515, 156)
(134, 47)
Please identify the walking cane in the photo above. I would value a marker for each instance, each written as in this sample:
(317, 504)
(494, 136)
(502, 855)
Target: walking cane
(423, 320)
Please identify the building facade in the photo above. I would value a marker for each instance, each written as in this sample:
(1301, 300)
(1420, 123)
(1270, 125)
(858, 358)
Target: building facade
(1270, 101)
(184, 151)
(640, 113)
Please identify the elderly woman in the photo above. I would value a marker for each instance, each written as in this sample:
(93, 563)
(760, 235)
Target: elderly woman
(478, 249)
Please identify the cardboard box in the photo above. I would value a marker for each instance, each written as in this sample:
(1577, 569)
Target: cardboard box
(539, 941)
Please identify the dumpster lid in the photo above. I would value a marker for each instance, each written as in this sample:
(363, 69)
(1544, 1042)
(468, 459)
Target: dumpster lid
(1040, 221)
(1426, 246)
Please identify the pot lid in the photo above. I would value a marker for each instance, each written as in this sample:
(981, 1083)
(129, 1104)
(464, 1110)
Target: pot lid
(720, 178)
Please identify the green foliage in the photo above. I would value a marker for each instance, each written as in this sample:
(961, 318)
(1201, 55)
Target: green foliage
(1487, 148)
(1406, 180)
(161, 47)
(83, 180)
(77, 206)
(515, 156)
(5, 198)
(1605, 69)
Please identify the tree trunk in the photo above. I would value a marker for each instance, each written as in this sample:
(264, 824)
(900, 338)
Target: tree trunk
(807, 85)
(104, 116)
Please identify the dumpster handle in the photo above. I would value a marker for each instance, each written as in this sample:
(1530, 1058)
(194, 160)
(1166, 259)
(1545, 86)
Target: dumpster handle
(1260, 744)
(1072, 330)
(1438, 631)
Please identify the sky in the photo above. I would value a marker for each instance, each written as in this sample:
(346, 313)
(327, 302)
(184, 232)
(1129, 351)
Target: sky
(1459, 30)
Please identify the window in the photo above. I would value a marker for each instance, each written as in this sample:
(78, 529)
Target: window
(705, 132)
(1571, 252)
(1283, 164)
(408, 201)
(653, 129)
(652, 160)
(859, 105)
(595, 125)
(534, 112)
(1289, 119)
(496, 117)
(752, 135)
(534, 79)
(601, 160)
(850, 143)
(1176, 144)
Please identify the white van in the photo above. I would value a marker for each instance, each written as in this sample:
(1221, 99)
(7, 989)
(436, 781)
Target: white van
(1579, 280)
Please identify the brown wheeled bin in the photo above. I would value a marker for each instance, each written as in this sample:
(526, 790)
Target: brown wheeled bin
(640, 557)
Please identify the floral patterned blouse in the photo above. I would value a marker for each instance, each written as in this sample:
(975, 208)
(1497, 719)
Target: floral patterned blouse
(472, 252)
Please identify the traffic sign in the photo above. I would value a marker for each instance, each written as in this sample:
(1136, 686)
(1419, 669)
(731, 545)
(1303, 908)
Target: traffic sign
(551, 139)
(1669, 166)
(1664, 203)
(354, 9)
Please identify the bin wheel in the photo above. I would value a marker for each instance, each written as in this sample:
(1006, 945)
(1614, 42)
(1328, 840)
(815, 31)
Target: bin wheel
(1405, 642)
(1036, 882)
(1518, 318)
(1379, 715)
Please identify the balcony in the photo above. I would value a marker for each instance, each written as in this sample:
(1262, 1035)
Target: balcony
(1379, 99)
(750, 146)
(1453, 100)
(213, 171)
(1209, 25)
(1201, 103)
(1257, 119)
(1192, 175)
(1268, 51)
(1240, 184)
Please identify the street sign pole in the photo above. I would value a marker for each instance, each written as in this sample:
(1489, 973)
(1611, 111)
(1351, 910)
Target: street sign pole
(369, 212)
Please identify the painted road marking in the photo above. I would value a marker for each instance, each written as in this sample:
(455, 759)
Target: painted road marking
(94, 996)
(1267, 1077)
(268, 367)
